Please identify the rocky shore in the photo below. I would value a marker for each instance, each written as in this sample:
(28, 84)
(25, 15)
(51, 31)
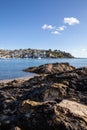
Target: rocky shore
(56, 99)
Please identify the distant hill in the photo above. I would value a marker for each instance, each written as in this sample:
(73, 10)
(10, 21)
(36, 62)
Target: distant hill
(34, 53)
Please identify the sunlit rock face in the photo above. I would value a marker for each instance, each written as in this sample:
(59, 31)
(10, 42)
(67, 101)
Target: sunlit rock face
(50, 68)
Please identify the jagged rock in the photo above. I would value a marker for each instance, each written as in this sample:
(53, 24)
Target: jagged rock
(52, 116)
(50, 68)
(76, 108)
(55, 100)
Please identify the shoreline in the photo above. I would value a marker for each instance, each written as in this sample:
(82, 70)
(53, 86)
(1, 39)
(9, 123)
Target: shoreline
(18, 79)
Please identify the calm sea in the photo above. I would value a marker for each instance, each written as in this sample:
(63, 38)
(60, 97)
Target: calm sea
(12, 68)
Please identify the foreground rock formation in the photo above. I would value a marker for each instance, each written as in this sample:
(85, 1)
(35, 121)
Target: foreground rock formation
(54, 100)
(50, 68)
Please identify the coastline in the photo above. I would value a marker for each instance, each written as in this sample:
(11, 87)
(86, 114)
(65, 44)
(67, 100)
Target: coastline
(17, 79)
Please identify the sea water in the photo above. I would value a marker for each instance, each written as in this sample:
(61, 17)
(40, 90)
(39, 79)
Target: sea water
(13, 68)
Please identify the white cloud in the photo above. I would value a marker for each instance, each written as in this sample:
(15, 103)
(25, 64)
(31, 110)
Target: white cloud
(61, 28)
(48, 27)
(71, 21)
(55, 32)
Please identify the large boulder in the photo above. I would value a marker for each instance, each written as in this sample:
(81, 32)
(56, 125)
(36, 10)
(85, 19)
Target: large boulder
(50, 68)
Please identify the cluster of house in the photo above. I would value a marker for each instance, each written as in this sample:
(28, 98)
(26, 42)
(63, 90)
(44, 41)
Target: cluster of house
(23, 53)
(34, 53)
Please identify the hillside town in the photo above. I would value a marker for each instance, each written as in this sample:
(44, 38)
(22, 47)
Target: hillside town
(34, 53)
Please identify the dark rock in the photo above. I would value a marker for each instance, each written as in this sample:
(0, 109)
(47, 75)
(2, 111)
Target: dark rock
(54, 100)
(7, 122)
(16, 128)
(52, 116)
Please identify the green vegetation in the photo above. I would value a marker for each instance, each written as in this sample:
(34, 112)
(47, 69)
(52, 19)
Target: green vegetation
(58, 54)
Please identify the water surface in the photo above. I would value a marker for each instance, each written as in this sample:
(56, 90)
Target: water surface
(12, 68)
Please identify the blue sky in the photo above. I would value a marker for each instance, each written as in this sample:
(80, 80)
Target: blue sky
(44, 24)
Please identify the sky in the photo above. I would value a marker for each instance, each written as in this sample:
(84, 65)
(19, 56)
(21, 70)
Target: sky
(44, 24)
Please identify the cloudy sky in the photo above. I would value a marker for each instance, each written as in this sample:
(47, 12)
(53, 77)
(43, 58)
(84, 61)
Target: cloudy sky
(44, 24)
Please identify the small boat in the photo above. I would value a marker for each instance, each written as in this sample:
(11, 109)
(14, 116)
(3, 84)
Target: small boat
(39, 57)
